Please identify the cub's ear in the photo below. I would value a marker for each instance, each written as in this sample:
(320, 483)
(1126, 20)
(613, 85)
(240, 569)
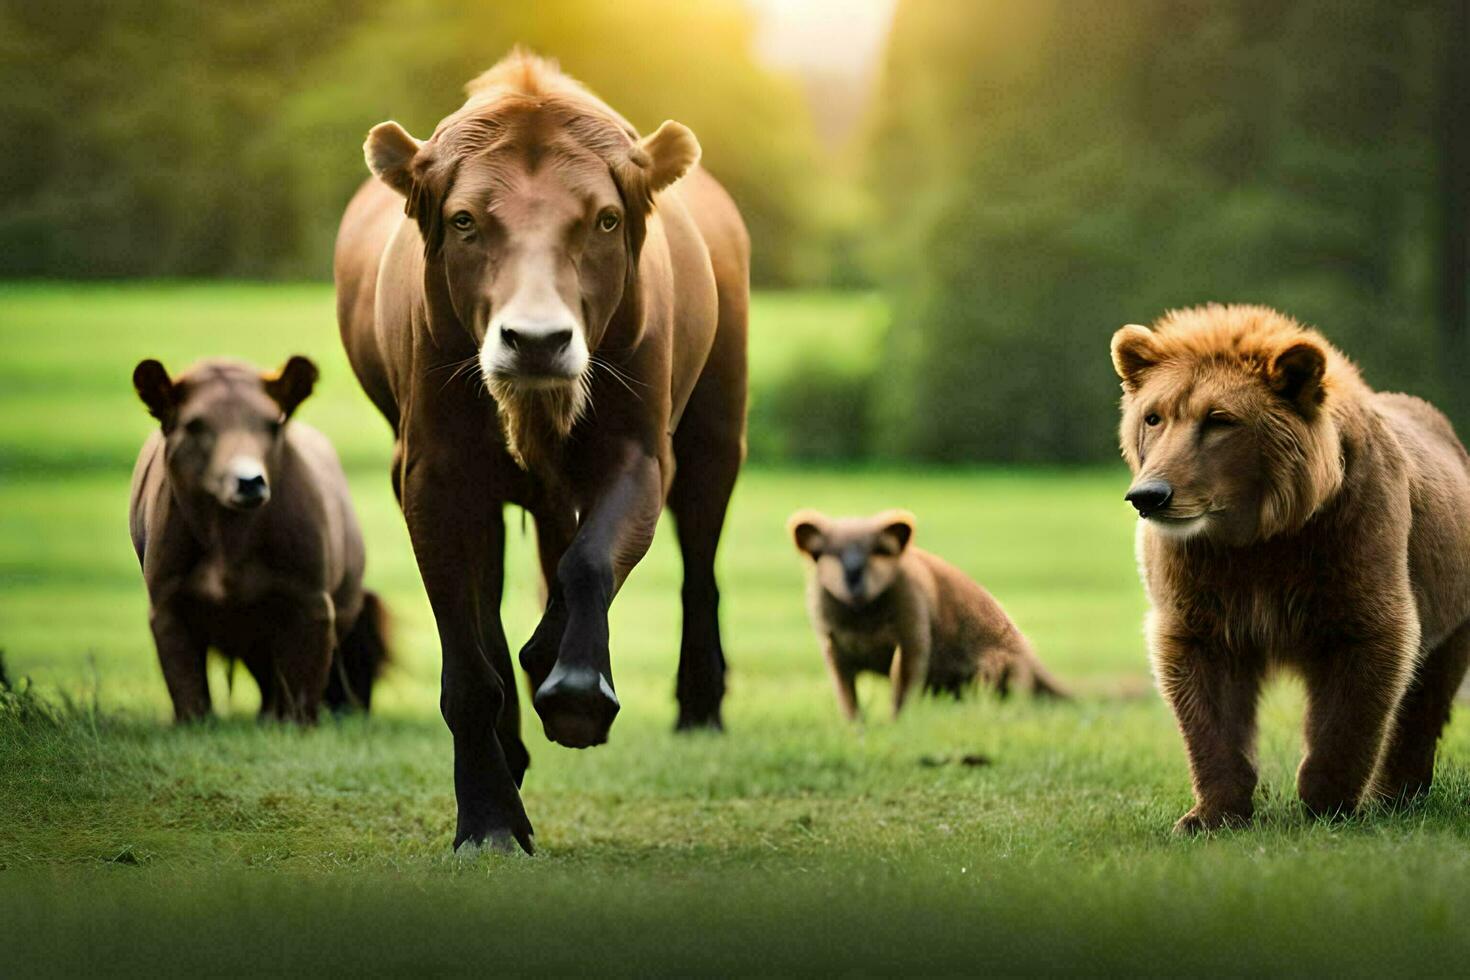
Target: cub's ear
(1133, 354)
(291, 384)
(157, 389)
(670, 151)
(898, 530)
(806, 528)
(389, 152)
(1296, 374)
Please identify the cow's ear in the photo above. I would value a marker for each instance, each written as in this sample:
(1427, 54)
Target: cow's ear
(291, 384)
(667, 154)
(1133, 354)
(389, 152)
(807, 528)
(1296, 374)
(157, 390)
(897, 531)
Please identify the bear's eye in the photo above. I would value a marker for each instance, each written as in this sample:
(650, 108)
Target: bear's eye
(463, 221)
(273, 428)
(608, 220)
(1152, 418)
(196, 427)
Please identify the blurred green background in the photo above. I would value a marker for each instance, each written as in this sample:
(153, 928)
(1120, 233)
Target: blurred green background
(1016, 179)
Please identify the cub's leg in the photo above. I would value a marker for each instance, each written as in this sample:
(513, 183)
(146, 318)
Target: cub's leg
(1407, 769)
(844, 680)
(181, 654)
(911, 664)
(1351, 697)
(1213, 693)
(303, 635)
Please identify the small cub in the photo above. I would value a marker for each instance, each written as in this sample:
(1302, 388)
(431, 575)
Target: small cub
(881, 605)
(249, 545)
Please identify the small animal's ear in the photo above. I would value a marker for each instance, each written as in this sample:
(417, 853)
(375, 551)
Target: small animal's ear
(292, 383)
(898, 530)
(157, 389)
(806, 528)
(1133, 354)
(1296, 374)
(667, 154)
(389, 152)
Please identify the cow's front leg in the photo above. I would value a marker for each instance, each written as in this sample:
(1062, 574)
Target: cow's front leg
(449, 517)
(577, 702)
(555, 529)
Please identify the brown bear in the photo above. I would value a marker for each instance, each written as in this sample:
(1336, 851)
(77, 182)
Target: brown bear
(880, 604)
(1291, 516)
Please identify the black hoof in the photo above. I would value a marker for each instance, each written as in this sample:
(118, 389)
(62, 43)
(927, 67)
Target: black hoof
(503, 840)
(699, 721)
(577, 706)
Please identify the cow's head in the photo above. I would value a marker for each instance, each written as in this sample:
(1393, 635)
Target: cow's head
(532, 202)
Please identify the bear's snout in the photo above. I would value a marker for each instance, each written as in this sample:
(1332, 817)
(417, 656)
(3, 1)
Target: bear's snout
(1149, 496)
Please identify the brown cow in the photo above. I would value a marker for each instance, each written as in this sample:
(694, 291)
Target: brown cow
(550, 321)
(243, 525)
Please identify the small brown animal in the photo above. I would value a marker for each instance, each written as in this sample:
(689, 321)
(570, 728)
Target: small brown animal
(550, 311)
(880, 604)
(1292, 516)
(249, 545)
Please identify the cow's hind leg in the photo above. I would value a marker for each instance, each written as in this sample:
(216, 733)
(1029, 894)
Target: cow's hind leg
(1407, 769)
(708, 448)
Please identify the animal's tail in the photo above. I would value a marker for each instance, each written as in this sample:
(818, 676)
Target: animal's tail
(1043, 683)
(360, 658)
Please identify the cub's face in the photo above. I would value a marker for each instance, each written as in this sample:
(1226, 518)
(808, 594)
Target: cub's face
(1210, 438)
(856, 558)
(224, 425)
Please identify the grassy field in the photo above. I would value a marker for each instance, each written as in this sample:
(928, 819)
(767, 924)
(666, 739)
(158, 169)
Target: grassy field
(790, 843)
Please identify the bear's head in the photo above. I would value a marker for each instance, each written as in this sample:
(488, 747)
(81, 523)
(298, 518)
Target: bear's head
(1227, 422)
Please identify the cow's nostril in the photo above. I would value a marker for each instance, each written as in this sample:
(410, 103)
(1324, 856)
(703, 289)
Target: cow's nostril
(558, 340)
(509, 338)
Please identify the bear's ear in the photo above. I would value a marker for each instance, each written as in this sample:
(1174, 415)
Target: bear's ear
(157, 390)
(1133, 354)
(667, 154)
(897, 530)
(1296, 374)
(389, 152)
(807, 528)
(292, 383)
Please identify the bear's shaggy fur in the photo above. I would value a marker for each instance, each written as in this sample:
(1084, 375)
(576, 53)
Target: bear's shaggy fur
(1291, 516)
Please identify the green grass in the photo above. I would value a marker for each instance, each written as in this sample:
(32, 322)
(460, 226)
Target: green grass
(790, 843)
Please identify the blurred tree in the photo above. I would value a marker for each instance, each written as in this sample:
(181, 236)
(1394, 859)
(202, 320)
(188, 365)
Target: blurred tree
(176, 138)
(1052, 170)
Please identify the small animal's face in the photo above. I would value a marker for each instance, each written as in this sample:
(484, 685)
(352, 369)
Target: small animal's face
(223, 425)
(1209, 437)
(856, 558)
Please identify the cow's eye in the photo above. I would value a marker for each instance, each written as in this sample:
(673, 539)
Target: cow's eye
(463, 221)
(273, 428)
(1220, 420)
(1152, 418)
(196, 427)
(608, 220)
